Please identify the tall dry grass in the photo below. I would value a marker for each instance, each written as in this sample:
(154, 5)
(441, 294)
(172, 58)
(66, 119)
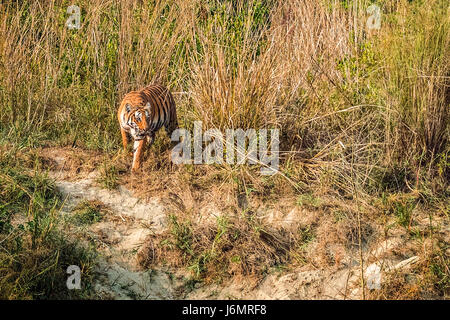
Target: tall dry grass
(351, 103)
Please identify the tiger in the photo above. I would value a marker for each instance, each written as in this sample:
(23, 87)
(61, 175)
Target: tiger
(141, 114)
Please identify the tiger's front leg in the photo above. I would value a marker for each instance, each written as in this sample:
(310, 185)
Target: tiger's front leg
(150, 139)
(138, 152)
(125, 138)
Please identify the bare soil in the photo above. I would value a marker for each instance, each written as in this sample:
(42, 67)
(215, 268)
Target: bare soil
(122, 233)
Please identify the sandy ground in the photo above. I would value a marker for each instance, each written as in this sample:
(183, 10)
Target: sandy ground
(121, 233)
(123, 230)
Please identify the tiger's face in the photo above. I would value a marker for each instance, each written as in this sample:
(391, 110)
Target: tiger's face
(138, 121)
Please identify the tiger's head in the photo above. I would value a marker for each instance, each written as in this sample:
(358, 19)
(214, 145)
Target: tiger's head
(138, 120)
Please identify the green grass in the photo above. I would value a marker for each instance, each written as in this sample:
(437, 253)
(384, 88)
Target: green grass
(214, 253)
(109, 176)
(438, 270)
(35, 252)
(403, 213)
(88, 212)
(182, 234)
(309, 200)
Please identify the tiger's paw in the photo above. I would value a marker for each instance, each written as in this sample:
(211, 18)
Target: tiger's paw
(135, 169)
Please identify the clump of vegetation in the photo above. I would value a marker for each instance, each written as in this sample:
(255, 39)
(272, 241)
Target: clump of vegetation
(401, 207)
(309, 200)
(232, 246)
(428, 279)
(88, 212)
(35, 254)
(109, 176)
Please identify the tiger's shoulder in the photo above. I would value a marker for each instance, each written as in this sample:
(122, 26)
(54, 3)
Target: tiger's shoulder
(135, 98)
(153, 89)
(142, 96)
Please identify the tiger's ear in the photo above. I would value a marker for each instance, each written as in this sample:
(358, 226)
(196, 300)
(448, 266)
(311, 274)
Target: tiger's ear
(127, 107)
(148, 106)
